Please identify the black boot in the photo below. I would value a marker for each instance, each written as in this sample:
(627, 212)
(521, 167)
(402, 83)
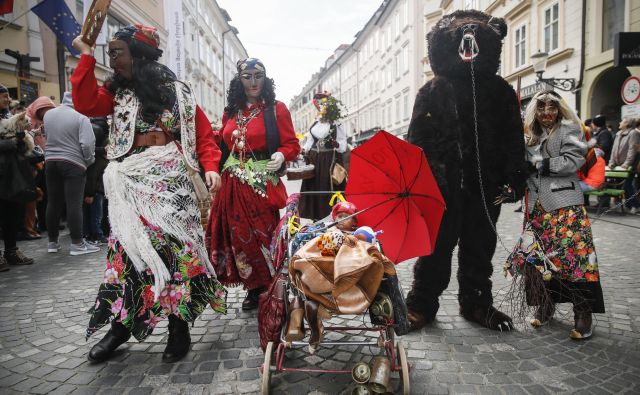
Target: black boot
(179, 340)
(250, 301)
(103, 349)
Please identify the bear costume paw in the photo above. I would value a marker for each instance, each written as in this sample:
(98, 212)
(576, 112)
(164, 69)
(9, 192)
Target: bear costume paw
(489, 317)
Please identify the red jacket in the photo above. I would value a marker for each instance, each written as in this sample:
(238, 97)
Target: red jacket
(256, 136)
(595, 178)
(96, 101)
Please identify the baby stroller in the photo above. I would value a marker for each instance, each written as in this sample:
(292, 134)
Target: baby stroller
(385, 320)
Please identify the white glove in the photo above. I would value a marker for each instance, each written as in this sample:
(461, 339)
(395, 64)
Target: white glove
(277, 159)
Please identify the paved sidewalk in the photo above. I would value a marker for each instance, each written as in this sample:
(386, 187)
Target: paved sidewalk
(43, 350)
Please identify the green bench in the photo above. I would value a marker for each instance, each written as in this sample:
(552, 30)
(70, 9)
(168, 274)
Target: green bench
(613, 187)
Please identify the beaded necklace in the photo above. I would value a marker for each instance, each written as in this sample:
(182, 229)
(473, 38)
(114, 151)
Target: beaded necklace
(239, 136)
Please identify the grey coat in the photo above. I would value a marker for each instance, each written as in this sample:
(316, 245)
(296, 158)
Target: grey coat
(561, 155)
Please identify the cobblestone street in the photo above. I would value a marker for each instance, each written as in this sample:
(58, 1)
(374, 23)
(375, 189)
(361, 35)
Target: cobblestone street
(43, 348)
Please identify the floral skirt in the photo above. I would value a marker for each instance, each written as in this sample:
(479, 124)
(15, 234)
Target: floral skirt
(128, 296)
(567, 241)
(157, 263)
(239, 235)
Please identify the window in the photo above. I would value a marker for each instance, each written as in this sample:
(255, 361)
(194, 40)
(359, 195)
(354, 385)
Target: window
(397, 109)
(551, 28)
(520, 46)
(405, 14)
(405, 58)
(405, 100)
(396, 65)
(384, 116)
(612, 21)
(396, 25)
(389, 120)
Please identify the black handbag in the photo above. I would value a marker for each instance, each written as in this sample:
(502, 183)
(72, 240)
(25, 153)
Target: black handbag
(391, 287)
(16, 180)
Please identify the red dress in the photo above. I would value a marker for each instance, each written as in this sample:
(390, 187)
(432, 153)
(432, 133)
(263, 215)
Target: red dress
(242, 222)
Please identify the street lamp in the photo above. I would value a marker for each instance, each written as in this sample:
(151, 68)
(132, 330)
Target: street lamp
(539, 63)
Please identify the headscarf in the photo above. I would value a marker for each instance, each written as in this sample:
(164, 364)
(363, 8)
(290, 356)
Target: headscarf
(250, 64)
(343, 207)
(146, 36)
(38, 104)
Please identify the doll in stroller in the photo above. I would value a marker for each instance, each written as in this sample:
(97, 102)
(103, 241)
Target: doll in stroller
(335, 269)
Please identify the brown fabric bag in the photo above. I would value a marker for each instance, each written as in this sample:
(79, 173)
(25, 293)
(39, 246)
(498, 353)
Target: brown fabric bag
(271, 311)
(338, 174)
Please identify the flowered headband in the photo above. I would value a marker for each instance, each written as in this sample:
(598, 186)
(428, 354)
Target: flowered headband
(145, 34)
(250, 64)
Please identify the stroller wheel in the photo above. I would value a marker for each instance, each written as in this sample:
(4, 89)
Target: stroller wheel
(404, 369)
(266, 369)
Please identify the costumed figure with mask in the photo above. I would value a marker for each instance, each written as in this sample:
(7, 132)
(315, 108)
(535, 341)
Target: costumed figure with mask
(555, 213)
(256, 139)
(324, 146)
(157, 263)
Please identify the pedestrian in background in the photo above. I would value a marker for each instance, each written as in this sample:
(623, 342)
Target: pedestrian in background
(556, 148)
(624, 157)
(10, 210)
(94, 187)
(36, 111)
(68, 151)
(603, 136)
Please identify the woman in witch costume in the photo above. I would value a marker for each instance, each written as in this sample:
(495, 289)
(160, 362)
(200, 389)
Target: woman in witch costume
(556, 147)
(324, 145)
(157, 264)
(256, 139)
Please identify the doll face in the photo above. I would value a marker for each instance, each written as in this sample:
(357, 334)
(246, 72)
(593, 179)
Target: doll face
(347, 225)
(120, 59)
(547, 113)
(253, 82)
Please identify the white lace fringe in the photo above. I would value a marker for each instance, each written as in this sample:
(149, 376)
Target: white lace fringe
(129, 186)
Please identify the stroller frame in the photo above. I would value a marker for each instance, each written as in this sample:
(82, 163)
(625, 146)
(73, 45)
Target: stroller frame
(275, 362)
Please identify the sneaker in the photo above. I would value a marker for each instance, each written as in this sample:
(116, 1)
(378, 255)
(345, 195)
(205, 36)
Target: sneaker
(633, 210)
(82, 249)
(53, 246)
(95, 243)
(16, 257)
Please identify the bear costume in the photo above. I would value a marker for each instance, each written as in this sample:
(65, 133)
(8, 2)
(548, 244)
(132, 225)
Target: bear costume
(464, 53)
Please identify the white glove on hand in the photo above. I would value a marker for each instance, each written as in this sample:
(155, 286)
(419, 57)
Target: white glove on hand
(277, 159)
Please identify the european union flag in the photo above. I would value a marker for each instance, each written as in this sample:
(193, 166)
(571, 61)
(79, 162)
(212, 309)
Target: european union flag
(60, 19)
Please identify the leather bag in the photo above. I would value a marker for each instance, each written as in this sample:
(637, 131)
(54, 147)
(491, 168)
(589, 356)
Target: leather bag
(338, 174)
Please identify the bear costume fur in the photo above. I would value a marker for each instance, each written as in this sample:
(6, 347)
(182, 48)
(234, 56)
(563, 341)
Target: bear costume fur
(443, 126)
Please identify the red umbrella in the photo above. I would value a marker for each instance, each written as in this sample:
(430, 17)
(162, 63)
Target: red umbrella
(392, 181)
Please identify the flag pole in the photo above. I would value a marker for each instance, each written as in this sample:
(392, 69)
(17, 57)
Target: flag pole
(18, 17)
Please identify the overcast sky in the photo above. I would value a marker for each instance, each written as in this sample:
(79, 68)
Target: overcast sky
(294, 37)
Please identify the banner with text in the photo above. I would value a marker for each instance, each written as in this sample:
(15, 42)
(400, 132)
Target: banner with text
(175, 44)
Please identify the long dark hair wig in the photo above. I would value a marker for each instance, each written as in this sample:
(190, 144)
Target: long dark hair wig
(148, 81)
(237, 99)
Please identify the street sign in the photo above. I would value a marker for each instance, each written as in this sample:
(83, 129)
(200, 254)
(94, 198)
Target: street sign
(630, 111)
(626, 50)
(630, 91)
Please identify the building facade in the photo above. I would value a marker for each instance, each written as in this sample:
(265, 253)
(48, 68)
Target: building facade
(374, 76)
(212, 48)
(602, 80)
